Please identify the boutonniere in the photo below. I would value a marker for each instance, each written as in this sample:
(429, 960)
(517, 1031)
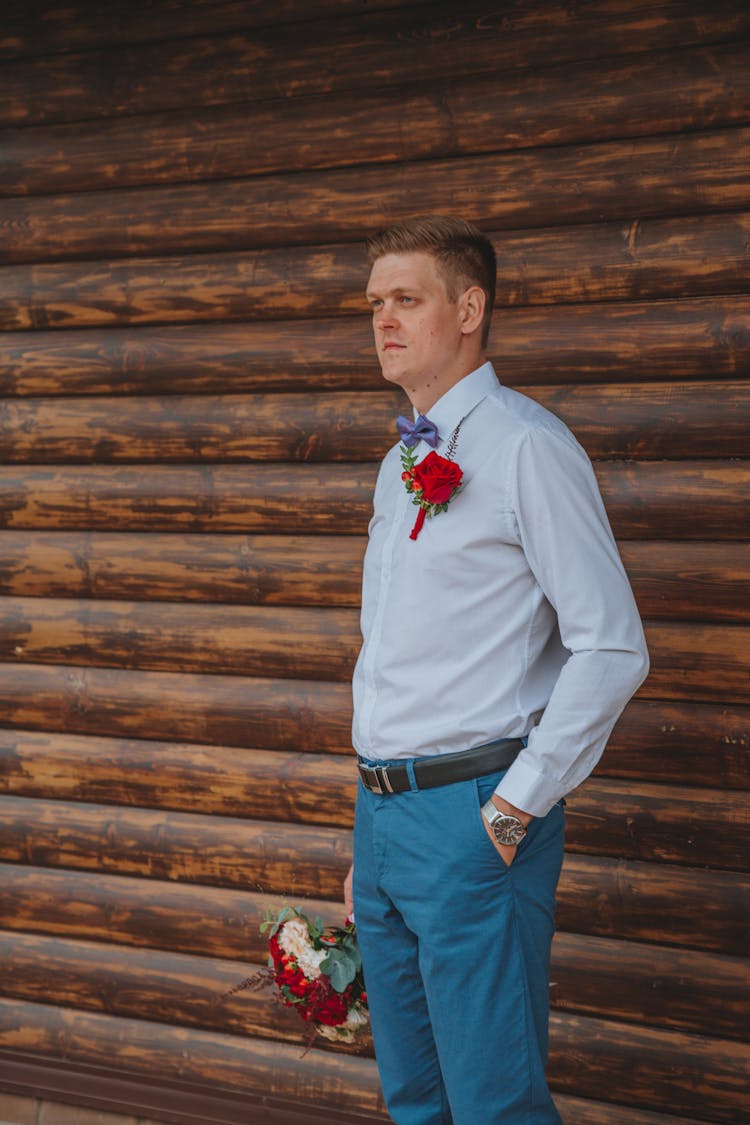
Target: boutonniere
(432, 483)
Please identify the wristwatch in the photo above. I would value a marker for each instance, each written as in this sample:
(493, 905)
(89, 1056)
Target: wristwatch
(505, 828)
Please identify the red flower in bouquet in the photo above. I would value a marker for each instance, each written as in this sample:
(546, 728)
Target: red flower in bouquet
(432, 484)
(318, 972)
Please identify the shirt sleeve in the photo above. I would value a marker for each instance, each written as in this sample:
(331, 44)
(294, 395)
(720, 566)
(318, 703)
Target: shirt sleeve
(569, 546)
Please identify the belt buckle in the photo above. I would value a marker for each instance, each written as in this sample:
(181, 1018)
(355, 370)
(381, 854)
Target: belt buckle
(376, 779)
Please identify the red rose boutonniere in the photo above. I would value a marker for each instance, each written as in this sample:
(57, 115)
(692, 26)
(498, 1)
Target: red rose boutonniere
(432, 483)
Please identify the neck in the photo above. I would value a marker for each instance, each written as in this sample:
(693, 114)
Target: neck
(423, 398)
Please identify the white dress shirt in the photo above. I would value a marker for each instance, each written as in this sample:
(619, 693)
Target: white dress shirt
(510, 615)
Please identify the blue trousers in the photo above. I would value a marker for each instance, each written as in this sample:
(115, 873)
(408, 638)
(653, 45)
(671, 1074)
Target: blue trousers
(456, 949)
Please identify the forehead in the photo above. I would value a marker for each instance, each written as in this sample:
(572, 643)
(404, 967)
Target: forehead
(402, 272)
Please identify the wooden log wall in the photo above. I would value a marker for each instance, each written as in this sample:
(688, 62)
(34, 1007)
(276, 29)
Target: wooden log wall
(192, 417)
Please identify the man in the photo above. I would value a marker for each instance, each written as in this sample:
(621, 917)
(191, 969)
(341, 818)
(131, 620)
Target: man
(501, 642)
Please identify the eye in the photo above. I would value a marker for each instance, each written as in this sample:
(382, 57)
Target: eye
(405, 300)
(376, 304)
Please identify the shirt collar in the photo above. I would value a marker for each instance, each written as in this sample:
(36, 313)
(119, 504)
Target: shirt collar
(452, 407)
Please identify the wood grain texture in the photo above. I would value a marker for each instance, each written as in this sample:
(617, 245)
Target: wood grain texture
(305, 570)
(599, 896)
(676, 906)
(29, 32)
(228, 710)
(635, 261)
(688, 660)
(672, 580)
(689, 581)
(648, 1067)
(574, 103)
(655, 903)
(261, 856)
(374, 49)
(666, 176)
(188, 445)
(638, 1066)
(278, 642)
(604, 978)
(682, 742)
(266, 1068)
(685, 743)
(201, 779)
(699, 338)
(656, 823)
(643, 822)
(684, 989)
(644, 500)
(669, 420)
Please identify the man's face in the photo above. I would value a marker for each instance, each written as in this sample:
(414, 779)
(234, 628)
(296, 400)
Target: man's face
(417, 327)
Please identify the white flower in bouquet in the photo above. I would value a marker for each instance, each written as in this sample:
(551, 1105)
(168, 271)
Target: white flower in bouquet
(294, 939)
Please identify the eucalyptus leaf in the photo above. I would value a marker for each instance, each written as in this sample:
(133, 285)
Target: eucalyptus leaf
(341, 969)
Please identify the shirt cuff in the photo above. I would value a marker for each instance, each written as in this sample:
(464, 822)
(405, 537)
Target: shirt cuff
(530, 791)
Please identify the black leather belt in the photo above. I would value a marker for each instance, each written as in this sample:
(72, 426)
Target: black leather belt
(443, 768)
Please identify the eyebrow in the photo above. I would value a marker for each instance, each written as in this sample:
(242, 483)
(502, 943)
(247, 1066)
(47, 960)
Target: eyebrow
(371, 295)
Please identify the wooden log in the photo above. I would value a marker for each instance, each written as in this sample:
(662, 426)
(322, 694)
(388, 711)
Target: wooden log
(671, 175)
(655, 985)
(678, 581)
(262, 856)
(307, 644)
(229, 710)
(644, 821)
(127, 981)
(259, 569)
(584, 1111)
(599, 977)
(672, 580)
(73, 26)
(616, 421)
(271, 858)
(654, 902)
(266, 1069)
(292, 355)
(639, 260)
(188, 428)
(332, 499)
(657, 500)
(644, 500)
(569, 104)
(372, 50)
(688, 660)
(210, 922)
(677, 906)
(648, 821)
(245, 782)
(670, 420)
(638, 1066)
(696, 338)
(210, 780)
(648, 1067)
(682, 743)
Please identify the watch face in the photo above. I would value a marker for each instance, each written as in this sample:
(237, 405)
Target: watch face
(508, 830)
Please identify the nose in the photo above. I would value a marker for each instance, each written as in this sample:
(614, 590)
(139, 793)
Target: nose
(385, 317)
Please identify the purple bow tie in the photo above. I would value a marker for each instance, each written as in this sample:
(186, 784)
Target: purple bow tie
(421, 430)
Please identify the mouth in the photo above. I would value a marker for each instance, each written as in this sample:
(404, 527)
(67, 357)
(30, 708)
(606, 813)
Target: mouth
(392, 345)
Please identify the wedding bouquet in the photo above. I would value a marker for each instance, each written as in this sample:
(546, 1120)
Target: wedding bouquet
(318, 972)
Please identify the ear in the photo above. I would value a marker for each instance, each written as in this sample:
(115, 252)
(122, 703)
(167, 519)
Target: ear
(471, 305)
